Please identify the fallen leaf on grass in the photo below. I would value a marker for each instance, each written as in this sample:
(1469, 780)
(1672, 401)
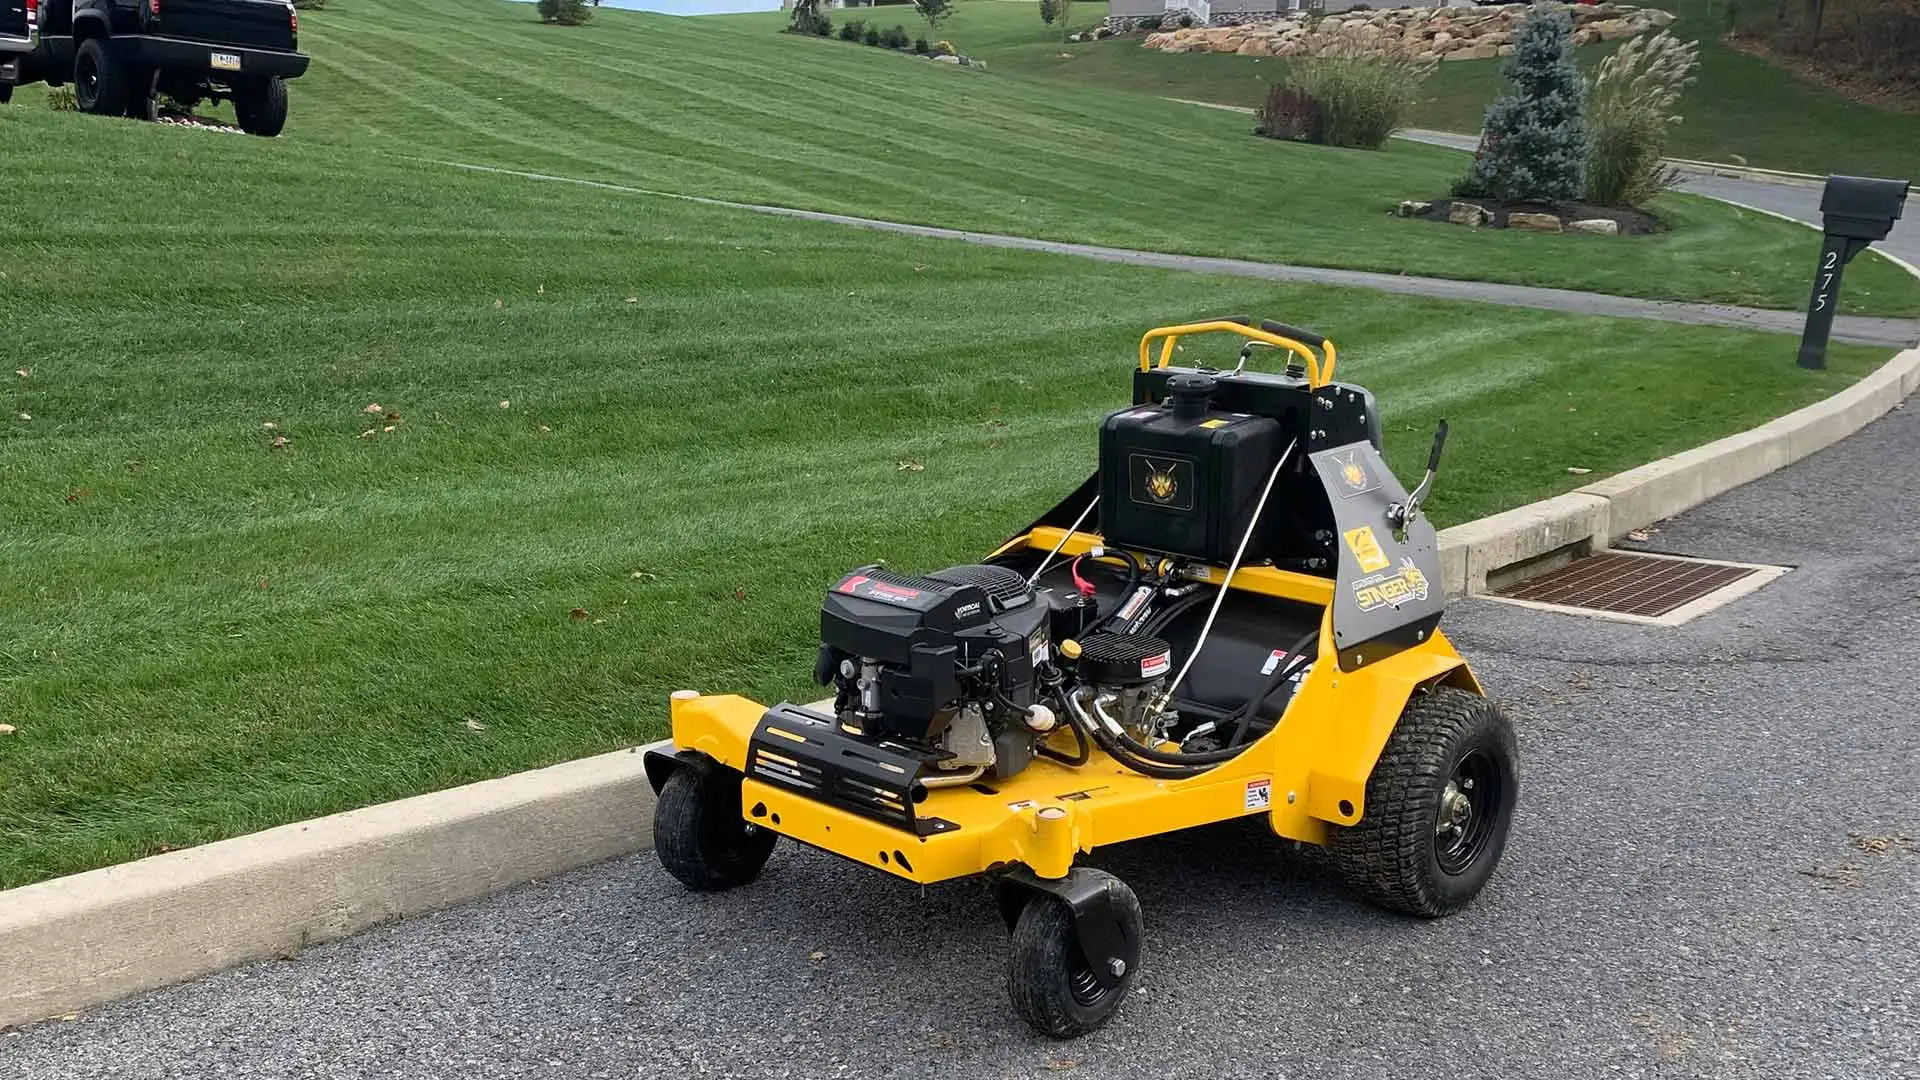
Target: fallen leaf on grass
(541, 291)
(26, 416)
(22, 372)
(368, 434)
(1577, 470)
(280, 442)
(644, 575)
(545, 430)
(8, 729)
(577, 614)
(388, 428)
(506, 403)
(633, 299)
(375, 409)
(475, 725)
(76, 496)
(270, 426)
(909, 466)
(498, 304)
(740, 595)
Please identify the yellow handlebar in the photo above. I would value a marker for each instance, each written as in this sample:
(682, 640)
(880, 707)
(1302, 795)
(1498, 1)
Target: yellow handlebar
(1319, 374)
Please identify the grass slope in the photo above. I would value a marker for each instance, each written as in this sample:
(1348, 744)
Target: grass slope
(1742, 107)
(724, 107)
(634, 440)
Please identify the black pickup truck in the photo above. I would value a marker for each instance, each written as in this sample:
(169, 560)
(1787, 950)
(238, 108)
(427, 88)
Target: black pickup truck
(120, 55)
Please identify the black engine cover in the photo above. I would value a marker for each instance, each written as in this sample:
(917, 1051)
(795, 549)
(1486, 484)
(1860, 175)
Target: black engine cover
(927, 632)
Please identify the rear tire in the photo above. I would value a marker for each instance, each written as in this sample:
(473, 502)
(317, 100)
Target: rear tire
(699, 835)
(261, 107)
(100, 84)
(143, 102)
(1439, 807)
(6, 93)
(1049, 979)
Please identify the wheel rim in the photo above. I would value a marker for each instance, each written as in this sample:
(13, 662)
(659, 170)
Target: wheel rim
(1470, 809)
(87, 81)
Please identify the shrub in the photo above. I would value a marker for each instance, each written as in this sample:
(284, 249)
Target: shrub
(943, 48)
(1629, 105)
(896, 38)
(871, 36)
(1534, 146)
(851, 30)
(809, 17)
(920, 46)
(60, 99)
(1150, 23)
(1359, 91)
(1186, 19)
(563, 12)
(1049, 11)
(1288, 113)
(309, 5)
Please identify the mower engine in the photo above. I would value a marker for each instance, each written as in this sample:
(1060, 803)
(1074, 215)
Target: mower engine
(953, 661)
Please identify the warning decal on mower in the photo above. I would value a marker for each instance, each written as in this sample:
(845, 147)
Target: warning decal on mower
(1156, 665)
(1259, 794)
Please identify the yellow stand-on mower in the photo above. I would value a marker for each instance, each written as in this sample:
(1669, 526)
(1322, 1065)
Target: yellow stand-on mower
(1253, 629)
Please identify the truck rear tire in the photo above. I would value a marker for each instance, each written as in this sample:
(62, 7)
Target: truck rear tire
(6, 93)
(261, 107)
(100, 84)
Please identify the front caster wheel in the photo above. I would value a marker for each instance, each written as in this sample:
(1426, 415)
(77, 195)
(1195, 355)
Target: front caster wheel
(698, 832)
(1439, 805)
(1054, 985)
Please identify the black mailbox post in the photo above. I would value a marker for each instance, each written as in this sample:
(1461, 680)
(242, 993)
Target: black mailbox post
(1857, 211)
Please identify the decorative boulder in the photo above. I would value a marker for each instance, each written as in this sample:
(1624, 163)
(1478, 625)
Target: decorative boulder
(1534, 222)
(1596, 226)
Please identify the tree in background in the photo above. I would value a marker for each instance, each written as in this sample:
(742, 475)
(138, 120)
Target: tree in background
(1534, 146)
(809, 17)
(1054, 12)
(935, 12)
(564, 12)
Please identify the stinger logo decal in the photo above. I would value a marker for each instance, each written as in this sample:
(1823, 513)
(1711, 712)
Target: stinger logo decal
(1355, 477)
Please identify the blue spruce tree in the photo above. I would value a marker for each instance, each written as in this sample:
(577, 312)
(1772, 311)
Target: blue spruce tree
(1534, 148)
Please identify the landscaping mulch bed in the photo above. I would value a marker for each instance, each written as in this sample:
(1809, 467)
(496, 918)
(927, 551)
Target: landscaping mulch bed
(1632, 222)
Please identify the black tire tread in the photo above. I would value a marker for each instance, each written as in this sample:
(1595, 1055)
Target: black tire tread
(1045, 947)
(1385, 857)
(707, 854)
(112, 97)
(262, 109)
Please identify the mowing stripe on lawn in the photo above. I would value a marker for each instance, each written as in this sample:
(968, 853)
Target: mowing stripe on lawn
(1857, 329)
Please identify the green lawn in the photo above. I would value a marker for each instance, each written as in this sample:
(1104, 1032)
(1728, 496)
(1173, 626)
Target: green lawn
(634, 440)
(1742, 107)
(727, 108)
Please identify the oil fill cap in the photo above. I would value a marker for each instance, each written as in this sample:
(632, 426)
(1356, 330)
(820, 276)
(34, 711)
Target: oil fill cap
(1192, 393)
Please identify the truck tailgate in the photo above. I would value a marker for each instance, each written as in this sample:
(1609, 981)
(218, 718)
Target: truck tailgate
(258, 24)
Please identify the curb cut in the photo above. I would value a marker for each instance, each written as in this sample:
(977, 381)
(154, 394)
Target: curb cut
(1589, 517)
(90, 938)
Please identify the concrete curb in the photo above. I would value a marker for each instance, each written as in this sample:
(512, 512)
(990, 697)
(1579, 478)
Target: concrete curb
(1590, 517)
(90, 938)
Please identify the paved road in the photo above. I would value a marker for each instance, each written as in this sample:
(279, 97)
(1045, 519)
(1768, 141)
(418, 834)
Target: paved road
(1860, 329)
(1797, 200)
(1706, 880)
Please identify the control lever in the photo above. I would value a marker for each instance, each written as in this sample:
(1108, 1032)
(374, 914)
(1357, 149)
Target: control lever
(1401, 515)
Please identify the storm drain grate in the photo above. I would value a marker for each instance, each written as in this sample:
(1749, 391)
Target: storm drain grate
(1666, 589)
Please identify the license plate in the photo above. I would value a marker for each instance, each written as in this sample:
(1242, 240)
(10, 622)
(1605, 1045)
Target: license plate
(226, 61)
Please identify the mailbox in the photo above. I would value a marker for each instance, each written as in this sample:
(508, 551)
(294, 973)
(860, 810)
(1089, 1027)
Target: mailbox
(1855, 211)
